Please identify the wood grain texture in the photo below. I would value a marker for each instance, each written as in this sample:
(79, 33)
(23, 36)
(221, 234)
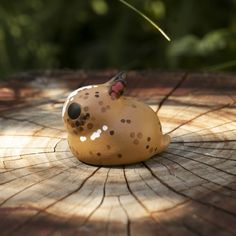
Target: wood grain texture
(188, 190)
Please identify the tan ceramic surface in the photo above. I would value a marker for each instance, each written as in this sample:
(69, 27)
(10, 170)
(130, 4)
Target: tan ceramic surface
(116, 131)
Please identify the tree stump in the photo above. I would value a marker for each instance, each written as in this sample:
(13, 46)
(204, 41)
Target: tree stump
(189, 189)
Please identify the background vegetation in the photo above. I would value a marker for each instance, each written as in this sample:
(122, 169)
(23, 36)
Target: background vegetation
(94, 34)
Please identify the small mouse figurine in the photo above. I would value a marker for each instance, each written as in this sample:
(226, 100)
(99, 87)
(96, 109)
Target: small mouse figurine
(106, 128)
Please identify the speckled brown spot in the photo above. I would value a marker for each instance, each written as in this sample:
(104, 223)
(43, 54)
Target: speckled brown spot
(93, 118)
(77, 123)
(89, 125)
(148, 139)
(72, 125)
(90, 152)
(103, 109)
(147, 146)
(98, 154)
(86, 109)
(82, 122)
(87, 115)
(128, 121)
(96, 95)
(151, 149)
(81, 129)
(67, 119)
(136, 142)
(108, 107)
(100, 103)
(134, 106)
(75, 132)
(132, 134)
(108, 147)
(83, 117)
(119, 155)
(97, 92)
(112, 132)
(122, 120)
(139, 135)
(86, 93)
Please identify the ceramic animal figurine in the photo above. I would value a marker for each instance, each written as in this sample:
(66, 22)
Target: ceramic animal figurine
(106, 128)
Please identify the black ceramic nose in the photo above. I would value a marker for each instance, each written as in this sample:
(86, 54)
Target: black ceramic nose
(74, 110)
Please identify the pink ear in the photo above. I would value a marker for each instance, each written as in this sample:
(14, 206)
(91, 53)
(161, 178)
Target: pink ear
(117, 85)
(117, 89)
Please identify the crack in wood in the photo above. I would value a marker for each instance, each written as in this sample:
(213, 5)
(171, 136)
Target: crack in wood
(83, 221)
(205, 141)
(212, 166)
(221, 132)
(22, 176)
(131, 192)
(187, 196)
(138, 201)
(19, 168)
(214, 134)
(55, 147)
(200, 115)
(180, 82)
(31, 185)
(98, 206)
(211, 148)
(38, 136)
(37, 131)
(34, 153)
(148, 185)
(169, 170)
(167, 208)
(128, 229)
(205, 154)
(208, 128)
(30, 104)
(199, 176)
(55, 202)
(31, 122)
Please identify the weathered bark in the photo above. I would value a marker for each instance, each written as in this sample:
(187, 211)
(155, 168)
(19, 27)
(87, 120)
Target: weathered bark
(188, 190)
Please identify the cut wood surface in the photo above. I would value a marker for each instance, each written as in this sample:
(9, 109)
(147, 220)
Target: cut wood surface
(190, 189)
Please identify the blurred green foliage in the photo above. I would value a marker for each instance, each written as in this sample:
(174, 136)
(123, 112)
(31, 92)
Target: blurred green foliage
(94, 34)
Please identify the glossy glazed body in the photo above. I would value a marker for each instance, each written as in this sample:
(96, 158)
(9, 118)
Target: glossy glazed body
(112, 130)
